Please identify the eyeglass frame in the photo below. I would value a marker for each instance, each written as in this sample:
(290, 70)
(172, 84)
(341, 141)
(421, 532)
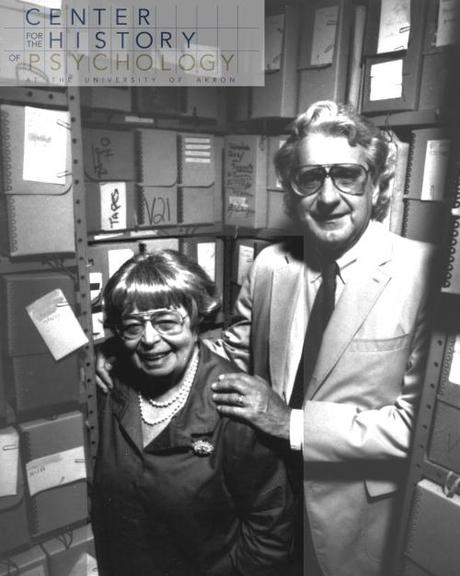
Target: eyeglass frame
(327, 174)
(146, 316)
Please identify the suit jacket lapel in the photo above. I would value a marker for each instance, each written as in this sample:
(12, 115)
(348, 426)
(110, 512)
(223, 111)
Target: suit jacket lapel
(286, 346)
(353, 307)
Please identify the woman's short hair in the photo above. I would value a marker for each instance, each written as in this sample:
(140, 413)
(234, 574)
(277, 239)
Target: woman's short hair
(332, 119)
(161, 279)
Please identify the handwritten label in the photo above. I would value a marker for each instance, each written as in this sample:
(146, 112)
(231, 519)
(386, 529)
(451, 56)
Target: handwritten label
(58, 326)
(56, 469)
(100, 153)
(113, 206)
(239, 178)
(9, 461)
(240, 175)
(45, 145)
(157, 209)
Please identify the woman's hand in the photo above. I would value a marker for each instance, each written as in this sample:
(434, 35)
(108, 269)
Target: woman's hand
(105, 358)
(251, 399)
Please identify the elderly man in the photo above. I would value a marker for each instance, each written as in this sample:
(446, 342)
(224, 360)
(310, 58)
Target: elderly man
(344, 392)
(333, 335)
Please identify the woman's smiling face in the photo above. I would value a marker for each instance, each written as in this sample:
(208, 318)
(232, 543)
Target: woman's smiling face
(164, 356)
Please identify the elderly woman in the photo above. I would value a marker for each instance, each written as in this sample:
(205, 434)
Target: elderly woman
(178, 489)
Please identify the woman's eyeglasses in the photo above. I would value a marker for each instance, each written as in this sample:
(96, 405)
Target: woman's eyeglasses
(165, 322)
(347, 178)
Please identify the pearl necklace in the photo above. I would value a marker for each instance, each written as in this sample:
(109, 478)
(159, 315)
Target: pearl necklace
(177, 401)
(172, 400)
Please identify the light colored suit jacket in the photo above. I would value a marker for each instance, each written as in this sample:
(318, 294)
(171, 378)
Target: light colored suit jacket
(361, 402)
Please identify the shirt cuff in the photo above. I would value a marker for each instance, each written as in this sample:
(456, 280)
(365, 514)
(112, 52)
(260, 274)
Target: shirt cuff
(296, 429)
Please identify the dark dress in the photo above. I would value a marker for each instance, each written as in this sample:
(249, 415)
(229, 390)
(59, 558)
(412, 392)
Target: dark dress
(168, 509)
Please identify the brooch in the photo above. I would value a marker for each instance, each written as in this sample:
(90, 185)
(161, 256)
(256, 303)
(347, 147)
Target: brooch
(202, 448)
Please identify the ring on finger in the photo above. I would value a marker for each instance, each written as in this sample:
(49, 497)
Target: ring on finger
(240, 400)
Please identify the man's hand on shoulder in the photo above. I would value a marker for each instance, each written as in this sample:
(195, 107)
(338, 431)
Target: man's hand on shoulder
(251, 399)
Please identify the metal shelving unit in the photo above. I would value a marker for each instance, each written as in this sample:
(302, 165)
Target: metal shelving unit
(83, 295)
(74, 265)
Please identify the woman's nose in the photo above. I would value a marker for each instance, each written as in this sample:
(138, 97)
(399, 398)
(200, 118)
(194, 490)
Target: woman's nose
(150, 335)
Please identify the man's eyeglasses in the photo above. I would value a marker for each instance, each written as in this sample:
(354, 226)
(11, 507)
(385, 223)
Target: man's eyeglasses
(165, 322)
(347, 178)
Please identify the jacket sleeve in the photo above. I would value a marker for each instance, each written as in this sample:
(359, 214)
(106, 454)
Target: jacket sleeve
(243, 344)
(256, 478)
(235, 343)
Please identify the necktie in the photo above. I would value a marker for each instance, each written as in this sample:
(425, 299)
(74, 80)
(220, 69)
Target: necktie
(319, 318)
